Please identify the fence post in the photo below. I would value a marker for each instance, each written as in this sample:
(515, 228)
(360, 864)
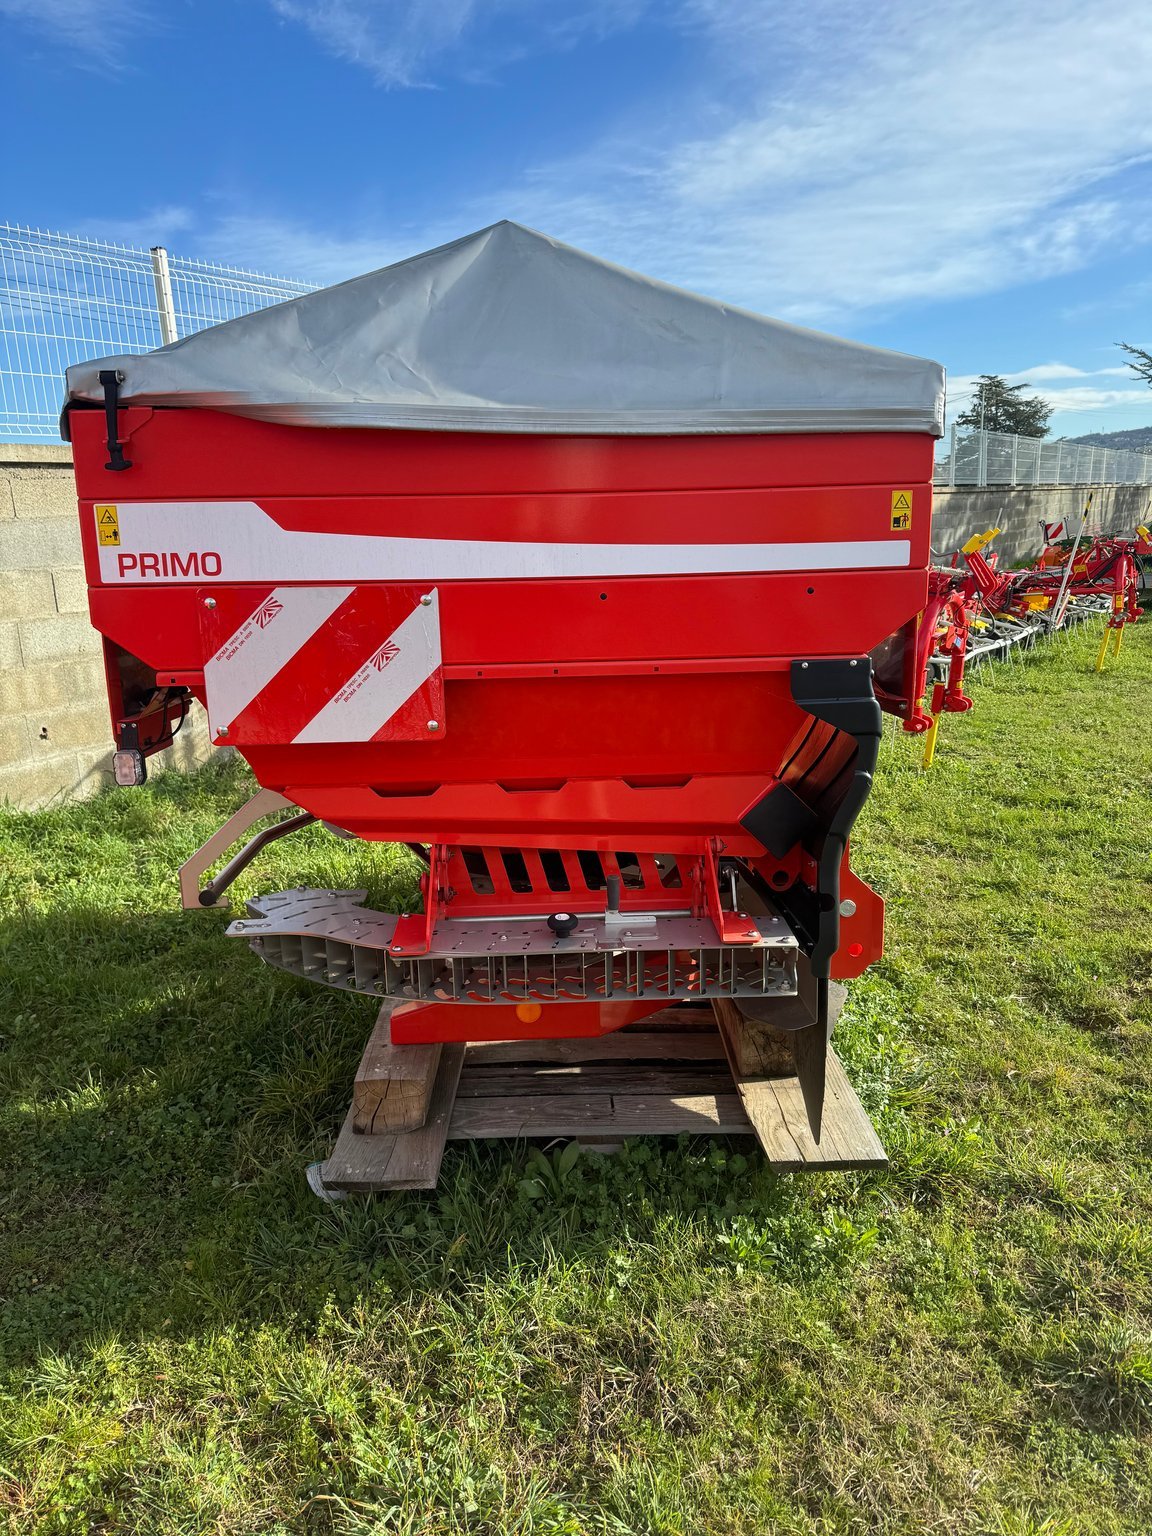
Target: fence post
(952, 458)
(165, 308)
(982, 459)
(1015, 454)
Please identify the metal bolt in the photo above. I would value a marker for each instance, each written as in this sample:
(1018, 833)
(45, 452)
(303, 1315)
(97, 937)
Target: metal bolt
(847, 908)
(751, 934)
(209, 602)
(804, 665)
(223, 731)
(433, 725)
(426, 600)
(851, 663)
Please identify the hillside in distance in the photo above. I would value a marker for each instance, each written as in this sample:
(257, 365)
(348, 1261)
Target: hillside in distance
(1135, 439)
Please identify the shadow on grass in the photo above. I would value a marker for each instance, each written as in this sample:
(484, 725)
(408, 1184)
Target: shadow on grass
(161, 1095)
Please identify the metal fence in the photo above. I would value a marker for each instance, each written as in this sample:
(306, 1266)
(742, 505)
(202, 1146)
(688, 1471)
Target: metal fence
(64, 299)
(969, 456)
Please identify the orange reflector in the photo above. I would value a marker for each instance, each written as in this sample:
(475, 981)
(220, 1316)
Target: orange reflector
(528, 1013)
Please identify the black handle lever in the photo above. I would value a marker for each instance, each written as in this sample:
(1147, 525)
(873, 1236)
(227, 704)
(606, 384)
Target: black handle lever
(111, 381)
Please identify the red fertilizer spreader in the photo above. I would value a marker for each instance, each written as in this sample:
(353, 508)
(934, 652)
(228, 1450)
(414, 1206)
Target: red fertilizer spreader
(588, 589)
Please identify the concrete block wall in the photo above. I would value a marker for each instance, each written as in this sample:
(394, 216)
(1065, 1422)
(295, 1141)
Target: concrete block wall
(55, 735)
(1019, 511)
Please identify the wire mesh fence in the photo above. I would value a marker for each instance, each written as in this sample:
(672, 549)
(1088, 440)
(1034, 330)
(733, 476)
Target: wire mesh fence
(64, 298)
(970, 456)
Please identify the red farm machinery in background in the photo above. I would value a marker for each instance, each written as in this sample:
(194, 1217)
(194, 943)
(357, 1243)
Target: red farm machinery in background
(620, 690)
(977, 597)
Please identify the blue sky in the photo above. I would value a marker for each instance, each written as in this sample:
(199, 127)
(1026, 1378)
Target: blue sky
(968, 181)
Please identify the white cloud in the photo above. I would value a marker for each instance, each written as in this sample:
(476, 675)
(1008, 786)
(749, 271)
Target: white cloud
(407, 42)
(888, 161)
(284, 248)
(1046, 372)
(1066, 399)
(91, 29)
(828, 160)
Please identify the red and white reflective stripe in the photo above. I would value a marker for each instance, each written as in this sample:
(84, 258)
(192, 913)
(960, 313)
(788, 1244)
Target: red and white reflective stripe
(230, 541)
(263, 645)
(387, 680)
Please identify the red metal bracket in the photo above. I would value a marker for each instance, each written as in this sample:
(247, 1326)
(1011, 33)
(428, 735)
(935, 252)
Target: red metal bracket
(733, 927)
(414, 930)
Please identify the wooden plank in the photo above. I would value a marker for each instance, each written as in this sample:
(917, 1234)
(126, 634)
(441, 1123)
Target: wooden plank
(754, 1049)
(603, 1114)
(706, 1114)
(790, 1098)
(855, 1133)
(676, 1018)
(621, 1045)
(648, 1084)
(847, 1138)
(600, 1077)
(768, 1123)
(409, 1160)
(540, 1115)
(774, 1101)
(393, 1085)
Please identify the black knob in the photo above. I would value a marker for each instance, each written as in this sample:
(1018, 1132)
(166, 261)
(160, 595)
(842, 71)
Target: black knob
(562, 923)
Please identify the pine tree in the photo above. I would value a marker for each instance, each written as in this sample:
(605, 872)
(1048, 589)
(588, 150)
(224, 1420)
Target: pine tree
(1001, 407)
(1141, 365)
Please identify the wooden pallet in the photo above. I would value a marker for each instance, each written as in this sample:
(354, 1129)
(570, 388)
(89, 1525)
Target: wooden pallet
(667, 1076)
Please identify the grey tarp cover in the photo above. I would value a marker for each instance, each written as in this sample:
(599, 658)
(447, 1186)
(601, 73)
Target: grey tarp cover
(508, 330)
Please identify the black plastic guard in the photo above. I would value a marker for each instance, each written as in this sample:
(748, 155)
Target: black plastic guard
(838, 692)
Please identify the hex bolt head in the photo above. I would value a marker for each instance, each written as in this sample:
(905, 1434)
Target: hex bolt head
(426, 600)
(222, 731)
(433, 725)
(847, 908)
(209, 602)
(851, 663)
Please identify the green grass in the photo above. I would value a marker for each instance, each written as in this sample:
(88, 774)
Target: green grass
(674, 1340)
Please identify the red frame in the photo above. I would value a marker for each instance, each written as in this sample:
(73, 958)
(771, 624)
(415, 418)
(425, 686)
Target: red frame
(644, 712)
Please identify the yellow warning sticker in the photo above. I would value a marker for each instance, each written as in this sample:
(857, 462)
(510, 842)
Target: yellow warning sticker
(901, 510)
(108, 525)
